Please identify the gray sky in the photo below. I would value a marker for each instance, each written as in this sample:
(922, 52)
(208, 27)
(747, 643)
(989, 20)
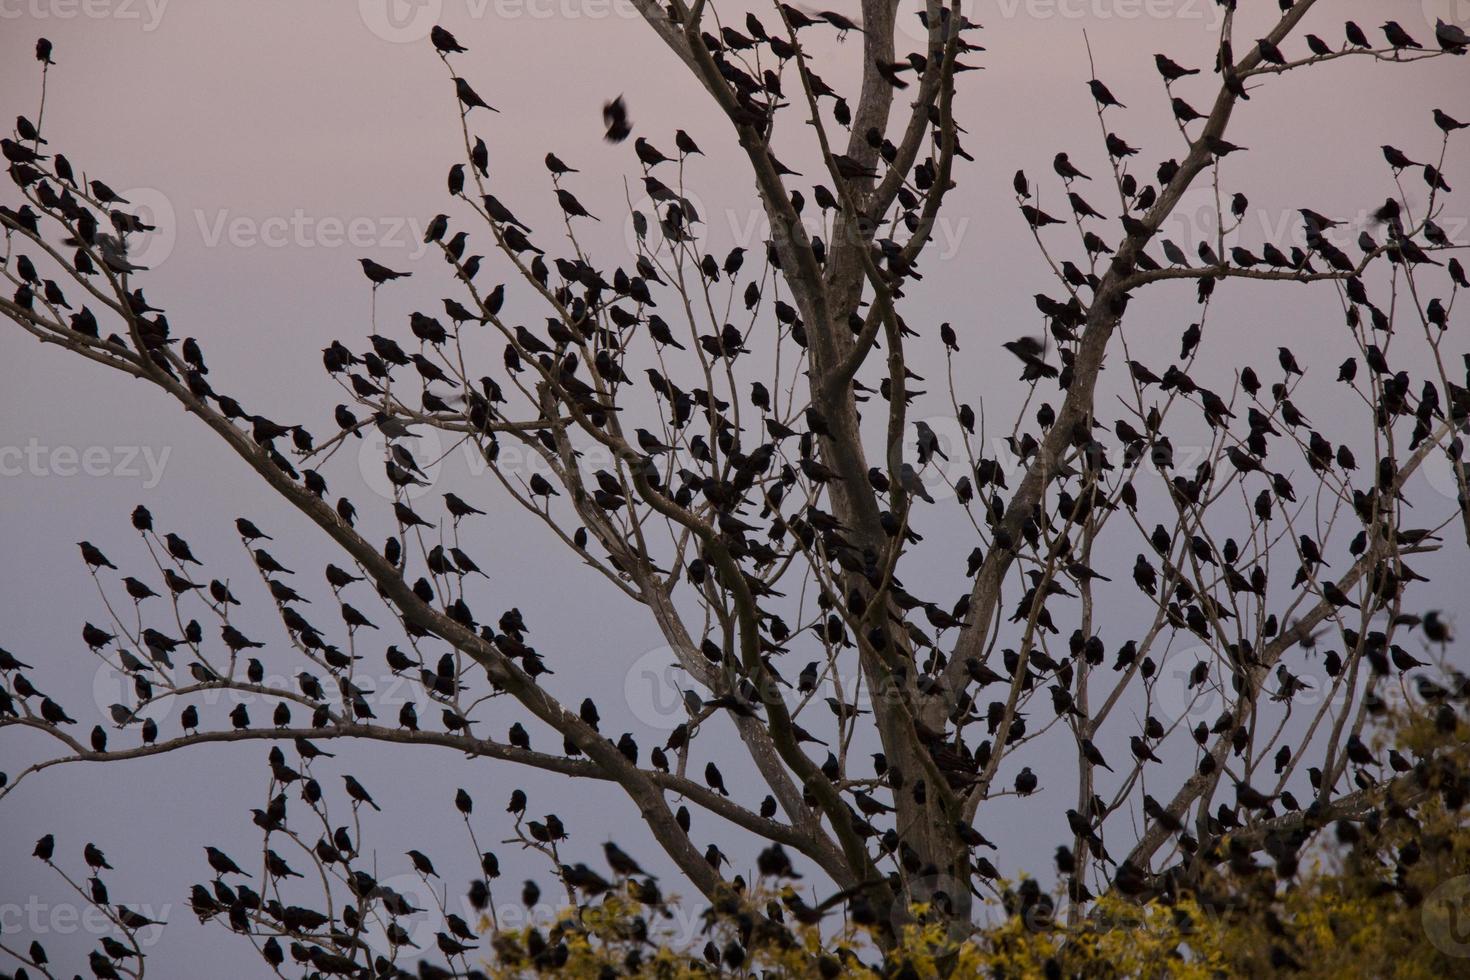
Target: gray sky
(278, 142)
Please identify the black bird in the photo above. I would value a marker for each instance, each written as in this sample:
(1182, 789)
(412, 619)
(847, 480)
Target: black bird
(346, 421)
(1118, 148)
(278, 867)
(19, 154)
(573, 207)
(647, 153)
(54, 714)
(1250, 797)
(1270, 53)
(774, 862)
(237, 641)
(93, 557)
(449, 946)
(615, 118)
(1037, 218)
(1396, 158)
(714, 779)
(659, 330)
(458, 508)
(222, 863)
(267, 563)
(1171, 71)
(358, 793)
(1102, 96)
(94, 857)
(1026, 781)
(463, 802)
(851, 169)
(249, 531)
(1141, 751)
(621, 862)
(553, 164)
(686, 145)
(8, 660)
(407, 517)
(445, 42)
(1288, 361)
(1031, 351)
(1066, 170)
(1090, 752)
(180, 548)
(1447, 123)
(1398, 37)
(379, 274)
(96, 638)
(1184, 112)
(308, 751)
(1452, 38)
(1220, 147)
(106, 194)
(469, 97)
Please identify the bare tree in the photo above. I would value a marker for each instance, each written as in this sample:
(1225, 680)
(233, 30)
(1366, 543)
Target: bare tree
(731, 444)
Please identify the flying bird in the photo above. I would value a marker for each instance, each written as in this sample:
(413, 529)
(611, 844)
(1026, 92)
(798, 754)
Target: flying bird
(615, 118)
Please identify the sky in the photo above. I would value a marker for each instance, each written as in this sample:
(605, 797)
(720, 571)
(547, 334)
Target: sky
(276, 143)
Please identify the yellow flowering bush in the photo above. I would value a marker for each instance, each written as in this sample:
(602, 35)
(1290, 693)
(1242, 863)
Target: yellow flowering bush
(1383, 894)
